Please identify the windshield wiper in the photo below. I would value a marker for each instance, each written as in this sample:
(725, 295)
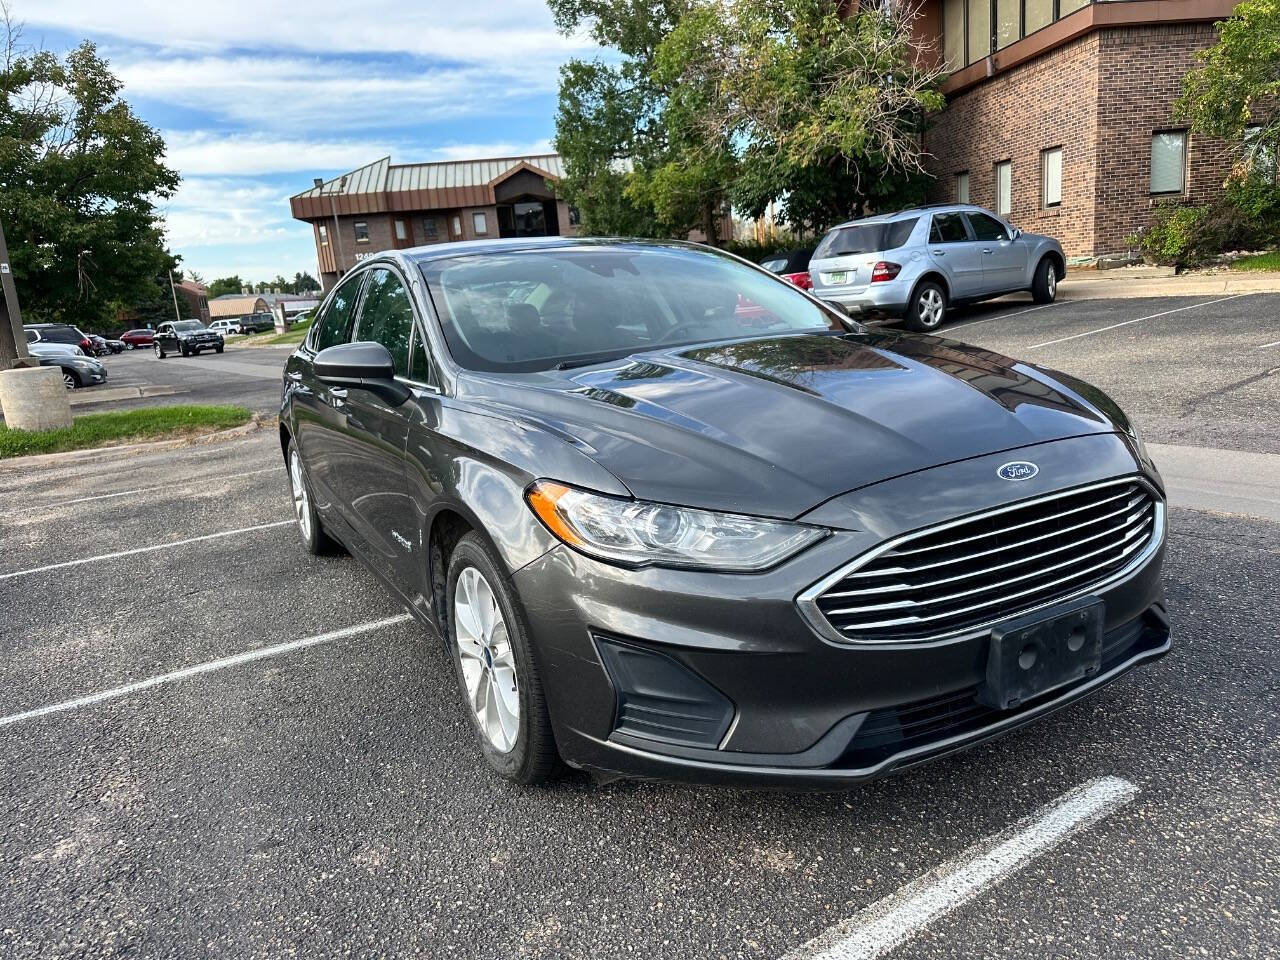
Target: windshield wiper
(587, 361)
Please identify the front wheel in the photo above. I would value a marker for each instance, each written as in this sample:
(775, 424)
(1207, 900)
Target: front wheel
(69, 380)
(927, 307)
(159, 350)
(182, 349)
(217, 349)
(493, 656)
(1044, 288)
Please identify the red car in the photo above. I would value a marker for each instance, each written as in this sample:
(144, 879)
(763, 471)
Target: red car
(133, 339)
(792, 265)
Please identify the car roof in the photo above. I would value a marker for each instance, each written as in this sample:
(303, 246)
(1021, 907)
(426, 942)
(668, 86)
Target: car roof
(912, 212)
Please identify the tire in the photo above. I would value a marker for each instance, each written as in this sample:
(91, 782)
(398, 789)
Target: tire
(520, 748)
(217, 349)
(159, 350)
(927, 307)
(182, 349)
(317, 542)
(70, 380)
(1044, 288)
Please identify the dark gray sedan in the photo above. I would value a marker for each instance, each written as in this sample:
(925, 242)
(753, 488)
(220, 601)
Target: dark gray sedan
(78, 370)
(675, 517)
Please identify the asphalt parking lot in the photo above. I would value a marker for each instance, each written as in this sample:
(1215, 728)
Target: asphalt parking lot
(310, 787)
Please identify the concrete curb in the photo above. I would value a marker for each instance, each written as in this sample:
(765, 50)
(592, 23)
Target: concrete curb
(99, 395)
(257, 422)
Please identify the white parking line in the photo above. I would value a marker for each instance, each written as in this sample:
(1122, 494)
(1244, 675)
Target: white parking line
(1125, 323)
(897, 918)
(209, 667)
(1273, 343)
(164, 486)
(129, 553)
(1002, 316)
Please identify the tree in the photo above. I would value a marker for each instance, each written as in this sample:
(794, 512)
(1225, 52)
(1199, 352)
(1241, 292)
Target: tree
(305, 283)
(824, 100)
(224, 285)
(79, 178)
(634, 163)
(815, 106)
(1234, 94)
(195, 277)
(157, 306)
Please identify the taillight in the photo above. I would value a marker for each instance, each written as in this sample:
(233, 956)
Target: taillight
(801, 280)
(884, 270)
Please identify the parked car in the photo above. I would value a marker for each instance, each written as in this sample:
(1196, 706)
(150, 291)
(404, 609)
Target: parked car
(257, 323)
(58, 333)
(792, 266)
(133, 339)
(117, 346)
(919, 262)
(225, 327)
(77, 369)
(99, 346)
(185, 337)
(665, 539)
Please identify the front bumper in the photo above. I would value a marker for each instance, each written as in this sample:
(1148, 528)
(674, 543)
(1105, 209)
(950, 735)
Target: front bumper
(803, 711)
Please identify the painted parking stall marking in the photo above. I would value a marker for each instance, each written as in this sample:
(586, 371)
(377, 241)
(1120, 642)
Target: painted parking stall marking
(1125, 323)
(1003, 316)
(137, 550)
(210, 666)
(129, 493)
(897, 918)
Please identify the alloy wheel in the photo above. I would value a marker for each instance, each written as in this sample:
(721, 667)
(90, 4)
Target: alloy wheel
(931, 307)
(488, 662)
(1052, 281)
(156, 348)
(301, 499)
(69, 381)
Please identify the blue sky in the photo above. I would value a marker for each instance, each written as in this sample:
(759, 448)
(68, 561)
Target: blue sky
(256, 97)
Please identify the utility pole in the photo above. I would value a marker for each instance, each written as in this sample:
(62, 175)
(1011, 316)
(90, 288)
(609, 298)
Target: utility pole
(174, 290)
(13, 339)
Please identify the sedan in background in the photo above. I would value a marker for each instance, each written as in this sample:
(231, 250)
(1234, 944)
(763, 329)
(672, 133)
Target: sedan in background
(99, 346)
(792, 266)
(676, 518)
(185, 337)
(77, 369)
(133, 339)
(918, 263)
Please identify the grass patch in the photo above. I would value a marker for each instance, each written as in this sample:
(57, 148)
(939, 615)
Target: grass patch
(1259, 261)
(107, 429)
(295, 334)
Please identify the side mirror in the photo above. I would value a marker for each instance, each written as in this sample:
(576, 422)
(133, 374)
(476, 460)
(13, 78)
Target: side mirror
(1016, 233)
(365, 365)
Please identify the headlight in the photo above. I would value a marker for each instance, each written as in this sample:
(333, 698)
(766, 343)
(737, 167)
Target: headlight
(638, 533)
(1138, 441)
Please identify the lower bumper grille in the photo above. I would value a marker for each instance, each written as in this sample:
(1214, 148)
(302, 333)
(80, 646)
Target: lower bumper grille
(969, 574)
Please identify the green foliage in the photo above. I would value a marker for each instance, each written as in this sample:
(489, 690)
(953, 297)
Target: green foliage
(1183, 236)
(225, 285)
(157, 306)
(79, 178)
(786, 102)
(304, 283)
(1237, 85)
(106, 429)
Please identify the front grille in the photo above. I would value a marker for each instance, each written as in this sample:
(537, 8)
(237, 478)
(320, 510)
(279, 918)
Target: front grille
(972, 573)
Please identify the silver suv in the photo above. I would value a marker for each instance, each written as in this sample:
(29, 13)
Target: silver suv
(918, 262)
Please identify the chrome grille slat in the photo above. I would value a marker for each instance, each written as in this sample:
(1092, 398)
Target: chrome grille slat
(1004, 599)
(898, 605)
(969, 574)
(1129, 521)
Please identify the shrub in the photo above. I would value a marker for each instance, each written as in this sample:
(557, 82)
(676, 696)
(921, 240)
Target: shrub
(1184, 236)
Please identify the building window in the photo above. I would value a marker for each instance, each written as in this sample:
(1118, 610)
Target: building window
(430, 229)
(1168, 161)
(979, 17)
(457, 225)
(1004, 187)
(1008, 27)
(324, 235)
(362, 231)
(953, 35)
(1038, 13)
(962, 187)
(401, 233)
(480, 224)
(1071, 6)
(1051, 177)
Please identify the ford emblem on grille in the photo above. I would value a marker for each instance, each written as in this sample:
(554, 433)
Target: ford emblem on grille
(1017, 470)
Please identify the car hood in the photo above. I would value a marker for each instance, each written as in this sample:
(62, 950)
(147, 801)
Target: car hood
(774, 426)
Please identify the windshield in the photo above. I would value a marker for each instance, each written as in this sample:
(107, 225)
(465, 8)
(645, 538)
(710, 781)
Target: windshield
(188, 325)
(539, 309)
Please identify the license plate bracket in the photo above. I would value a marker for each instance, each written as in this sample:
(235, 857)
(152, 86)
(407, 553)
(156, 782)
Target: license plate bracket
(1043, 651)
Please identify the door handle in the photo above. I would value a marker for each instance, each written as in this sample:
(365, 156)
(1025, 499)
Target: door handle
(939, 253)
(987, 251)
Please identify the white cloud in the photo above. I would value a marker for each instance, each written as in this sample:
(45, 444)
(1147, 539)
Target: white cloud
(213, 154)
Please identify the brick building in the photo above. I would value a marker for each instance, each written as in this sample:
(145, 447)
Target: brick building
(384, 206)
(1059, 112)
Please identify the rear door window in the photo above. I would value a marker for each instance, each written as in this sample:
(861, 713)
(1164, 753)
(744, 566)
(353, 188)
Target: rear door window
(386, 316)
(948, 228)
(335, 326)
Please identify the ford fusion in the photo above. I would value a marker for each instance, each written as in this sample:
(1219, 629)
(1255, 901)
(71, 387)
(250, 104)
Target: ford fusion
(676, 518)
